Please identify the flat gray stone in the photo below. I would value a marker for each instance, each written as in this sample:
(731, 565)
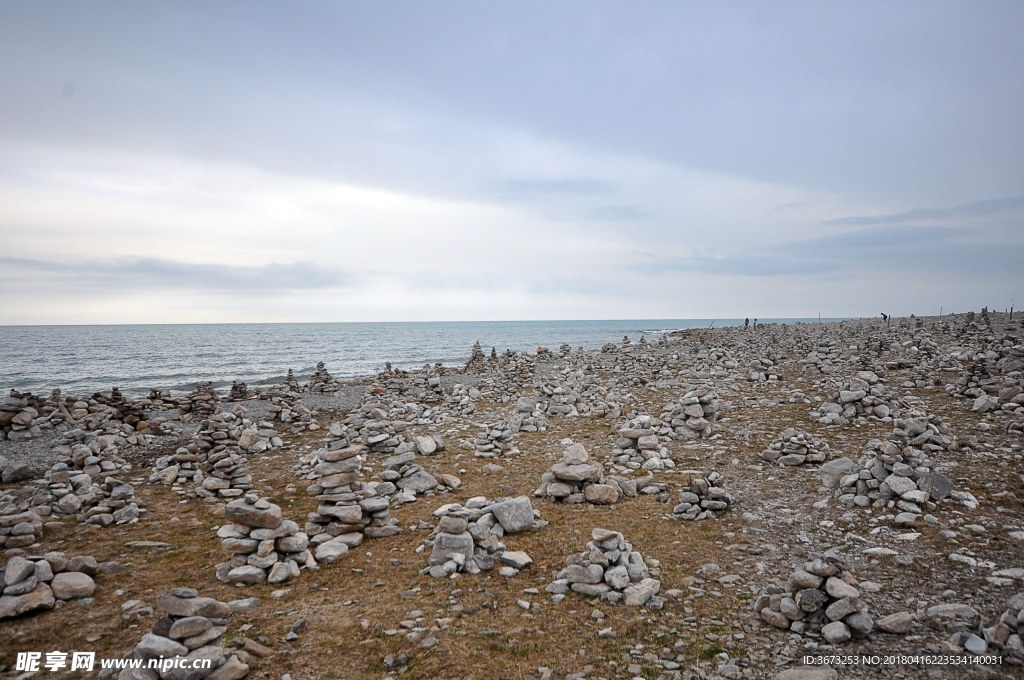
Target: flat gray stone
(514, 515)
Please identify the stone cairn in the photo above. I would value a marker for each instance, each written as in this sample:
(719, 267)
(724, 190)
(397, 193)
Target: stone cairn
(68, 487)
(21, 418)
(1005, 635)
(467, 539)
(109, 502)
(704, 498)
(190, 630)
(18, 528)
(638, 446)
(897, 477)
(494, 441)
(379, 434)
(39, 582)
(528, 417)
(477, 359)
(320, 380)
(822, 359)
(347, 514)
(578, 478)
(260, 539)
(348, 509)
(161, 399)
(214, 456)
(762, 369)
(290, 382)
(239, 391)
(200, 402)
(864, 396)
(222, 431)
(287, 408)
(403, 471)
(460, 401)
(1009, 398)
(225, 476)
(822, 599)
(610, 569)
(694, 415)
(794, 448)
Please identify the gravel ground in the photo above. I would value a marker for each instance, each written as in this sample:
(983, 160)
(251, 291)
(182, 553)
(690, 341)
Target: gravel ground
(38, 452)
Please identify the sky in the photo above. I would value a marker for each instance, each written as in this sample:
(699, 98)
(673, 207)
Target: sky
(194, 162)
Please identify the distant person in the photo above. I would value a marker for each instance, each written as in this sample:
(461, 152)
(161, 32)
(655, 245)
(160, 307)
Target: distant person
(755, 324)
(746, 324)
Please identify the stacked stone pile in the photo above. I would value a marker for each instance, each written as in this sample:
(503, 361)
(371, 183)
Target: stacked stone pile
(320, 381)
(225, 475)
(263, 545)
(863, 396)
(822, 599)
(376, 431)
(467, 538)
(556, 395)
(351, 508)
(286, 408)
(239, 391)
(694, 415)
(796, 448)
(716, 362)
(704, 498)
(894, 477)
(19, 526)
(335, 446)
(1004, 637)
(609, 568)
(291, 383)
(762, 369)
(825, 359)
(188, 633)
(70, 490)
(477, 359)
(638, 446)
(580, 478)
(219, 431)
(180, 468)
(516, 371)
(403, 471)
(1007, 396)
(34, 583)
(798, 397)
(23, 415)
(460, 401)
(494, 441)
(161, 399)
(528, 417)
(201, 402)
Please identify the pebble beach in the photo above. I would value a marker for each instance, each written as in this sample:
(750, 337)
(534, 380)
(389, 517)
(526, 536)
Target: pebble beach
(710, 503)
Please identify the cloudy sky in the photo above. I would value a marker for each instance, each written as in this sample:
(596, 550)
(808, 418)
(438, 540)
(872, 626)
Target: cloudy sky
(343, 161)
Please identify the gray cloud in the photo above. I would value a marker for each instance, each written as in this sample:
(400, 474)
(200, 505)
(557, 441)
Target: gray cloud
(156, 274)
(574, 186)
(877, 250)
(508, 140)
(974, 209)
(617, 213)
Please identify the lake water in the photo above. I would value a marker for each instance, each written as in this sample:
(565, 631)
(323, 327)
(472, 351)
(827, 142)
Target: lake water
(136, 358)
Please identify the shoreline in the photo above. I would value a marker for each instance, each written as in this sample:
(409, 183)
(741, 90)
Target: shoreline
(731, 465)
